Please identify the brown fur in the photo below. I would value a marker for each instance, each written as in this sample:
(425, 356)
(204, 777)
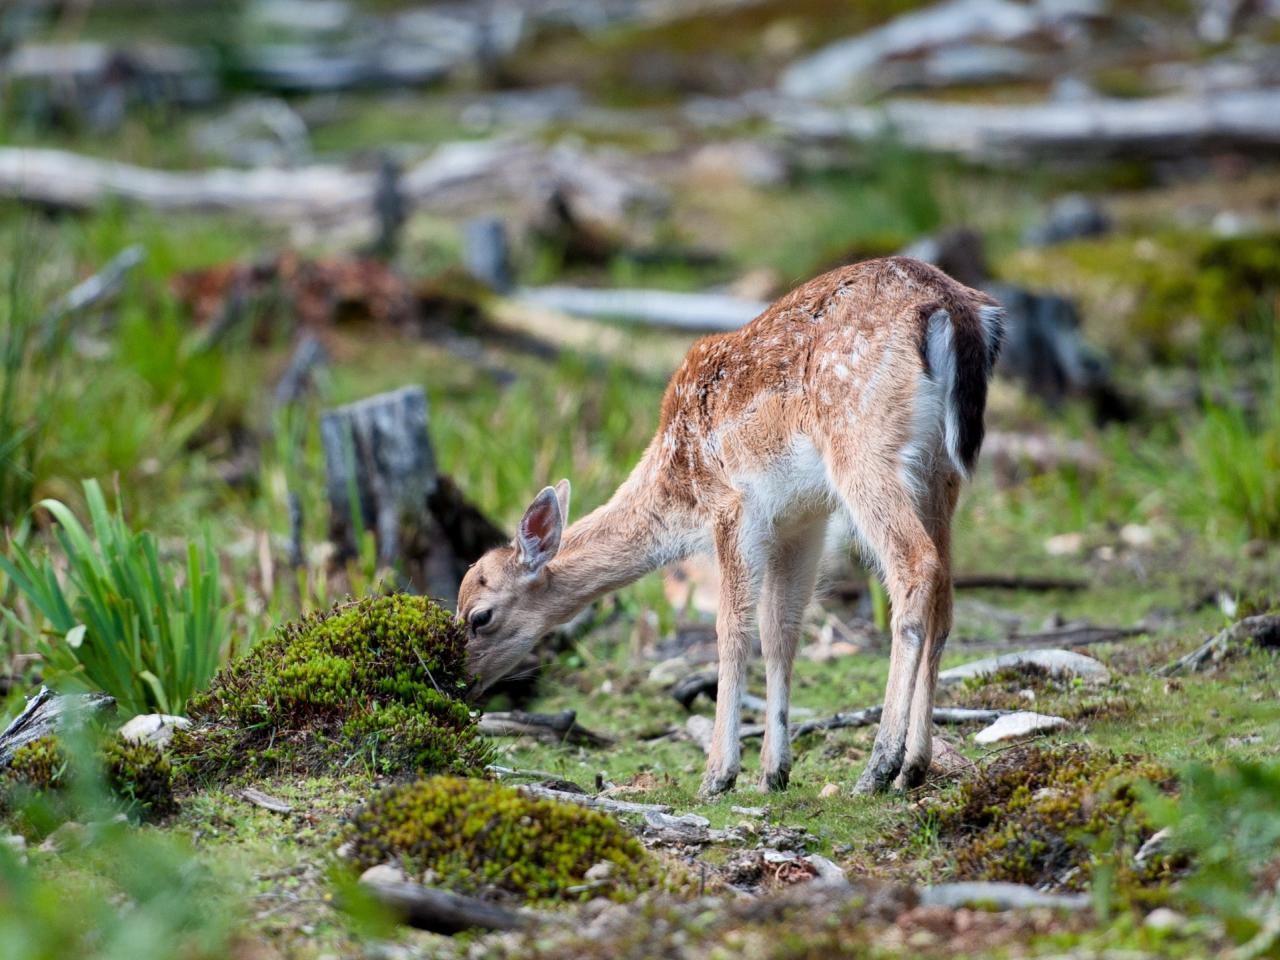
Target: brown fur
(763, 433)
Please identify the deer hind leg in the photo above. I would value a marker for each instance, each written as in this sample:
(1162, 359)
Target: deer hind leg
(740, 575)
(939, 510)
(885, 515)
(789, 578)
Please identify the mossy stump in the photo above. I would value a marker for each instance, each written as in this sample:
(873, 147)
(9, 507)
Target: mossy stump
(381, 678)
(1047, 817)
(476, 837)
(137, 775)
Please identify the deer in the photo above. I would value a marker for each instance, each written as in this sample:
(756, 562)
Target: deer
(862, 391)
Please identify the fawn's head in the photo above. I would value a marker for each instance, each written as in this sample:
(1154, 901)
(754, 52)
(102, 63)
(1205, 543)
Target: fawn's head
(505, 598)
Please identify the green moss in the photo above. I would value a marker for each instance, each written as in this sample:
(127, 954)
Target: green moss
(473, 836)
(1045, 817)
(381, 677)
(137, 774)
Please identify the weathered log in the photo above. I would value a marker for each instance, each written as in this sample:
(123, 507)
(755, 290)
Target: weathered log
(454, 176)
(999, 896)
(47, 713)
(265, 800)
(871, 715)
(699, 312)
(607, 804)
(441, 911)
(548, 727)
(858, 61)
(1263, 630)
(1075, 636)
(1092, 129)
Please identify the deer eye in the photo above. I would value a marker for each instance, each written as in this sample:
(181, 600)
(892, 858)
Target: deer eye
(480, 619)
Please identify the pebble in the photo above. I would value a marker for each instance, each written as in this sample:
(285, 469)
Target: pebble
(1014, 726)
(829, 790)
(383, 873)
(153, 728)
(1162, 918)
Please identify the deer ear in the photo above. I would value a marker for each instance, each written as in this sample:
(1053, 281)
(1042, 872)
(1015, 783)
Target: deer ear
(562, 497)
(538, 537)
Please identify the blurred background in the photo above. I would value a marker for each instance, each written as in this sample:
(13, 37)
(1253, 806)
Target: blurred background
(222, 219)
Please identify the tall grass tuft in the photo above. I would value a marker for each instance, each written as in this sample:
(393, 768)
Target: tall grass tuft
(116, 620)
(1237, 457)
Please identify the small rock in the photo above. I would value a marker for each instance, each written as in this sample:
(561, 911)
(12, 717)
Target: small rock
(669, 671)
(759, 813)
(1056, 662)
(1164, 919)
(1154, 847)
(829, 790)
(739, 161)
(17, 844)
(1024, 723)
(599, 872)
(689, 828)
(1064, 545)
(1135, 535)
(827, 870)
(384, 873)
(700, 730)
(67, 837)
(153, 728)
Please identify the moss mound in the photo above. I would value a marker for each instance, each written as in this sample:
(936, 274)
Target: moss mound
(1042, 817)
(137, 774)
(478, 837)
(381, 677)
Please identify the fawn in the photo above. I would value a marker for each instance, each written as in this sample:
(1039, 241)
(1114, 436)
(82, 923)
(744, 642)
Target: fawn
(862, 390)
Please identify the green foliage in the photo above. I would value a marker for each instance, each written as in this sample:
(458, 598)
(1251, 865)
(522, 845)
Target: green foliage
(116, 620)
(143, 899)
(381, 676)
(137, 775)
(1035, 816)
(1237, 457)
(1227, 818)
(473, 836)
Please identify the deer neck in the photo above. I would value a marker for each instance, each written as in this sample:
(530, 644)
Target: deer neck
(635, 533)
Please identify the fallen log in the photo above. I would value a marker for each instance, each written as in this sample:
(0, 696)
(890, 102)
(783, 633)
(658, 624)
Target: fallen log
(608, 804)
(1263, 630)
(1075, 636)
(990, 894)
(453, 176)
(440, 911)
(48, 713)
(1091, 129)
(871, 715)
(695, 312)
(552, 728)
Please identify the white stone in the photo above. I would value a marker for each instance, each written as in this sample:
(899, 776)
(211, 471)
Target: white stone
(383, 873)
(1064, 545)
(1057, 662)
(1162, 918)
(1024, 723)
(153, 728)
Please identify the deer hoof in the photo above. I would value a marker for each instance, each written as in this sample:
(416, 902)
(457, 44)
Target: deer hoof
(714, 784)
(774, 780)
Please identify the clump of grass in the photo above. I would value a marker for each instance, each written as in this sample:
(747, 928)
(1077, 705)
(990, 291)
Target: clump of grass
(1227, 819)
(1236, 453)
(475, 837)
(380, 677)
(107, 615)
(1038, 816)
(137, 775)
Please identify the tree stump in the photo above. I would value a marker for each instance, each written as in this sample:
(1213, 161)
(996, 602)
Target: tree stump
(380, 450)
(46, 713)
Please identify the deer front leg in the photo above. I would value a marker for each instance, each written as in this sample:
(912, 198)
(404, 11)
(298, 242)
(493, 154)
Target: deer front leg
(788, 586)
(739, 587)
